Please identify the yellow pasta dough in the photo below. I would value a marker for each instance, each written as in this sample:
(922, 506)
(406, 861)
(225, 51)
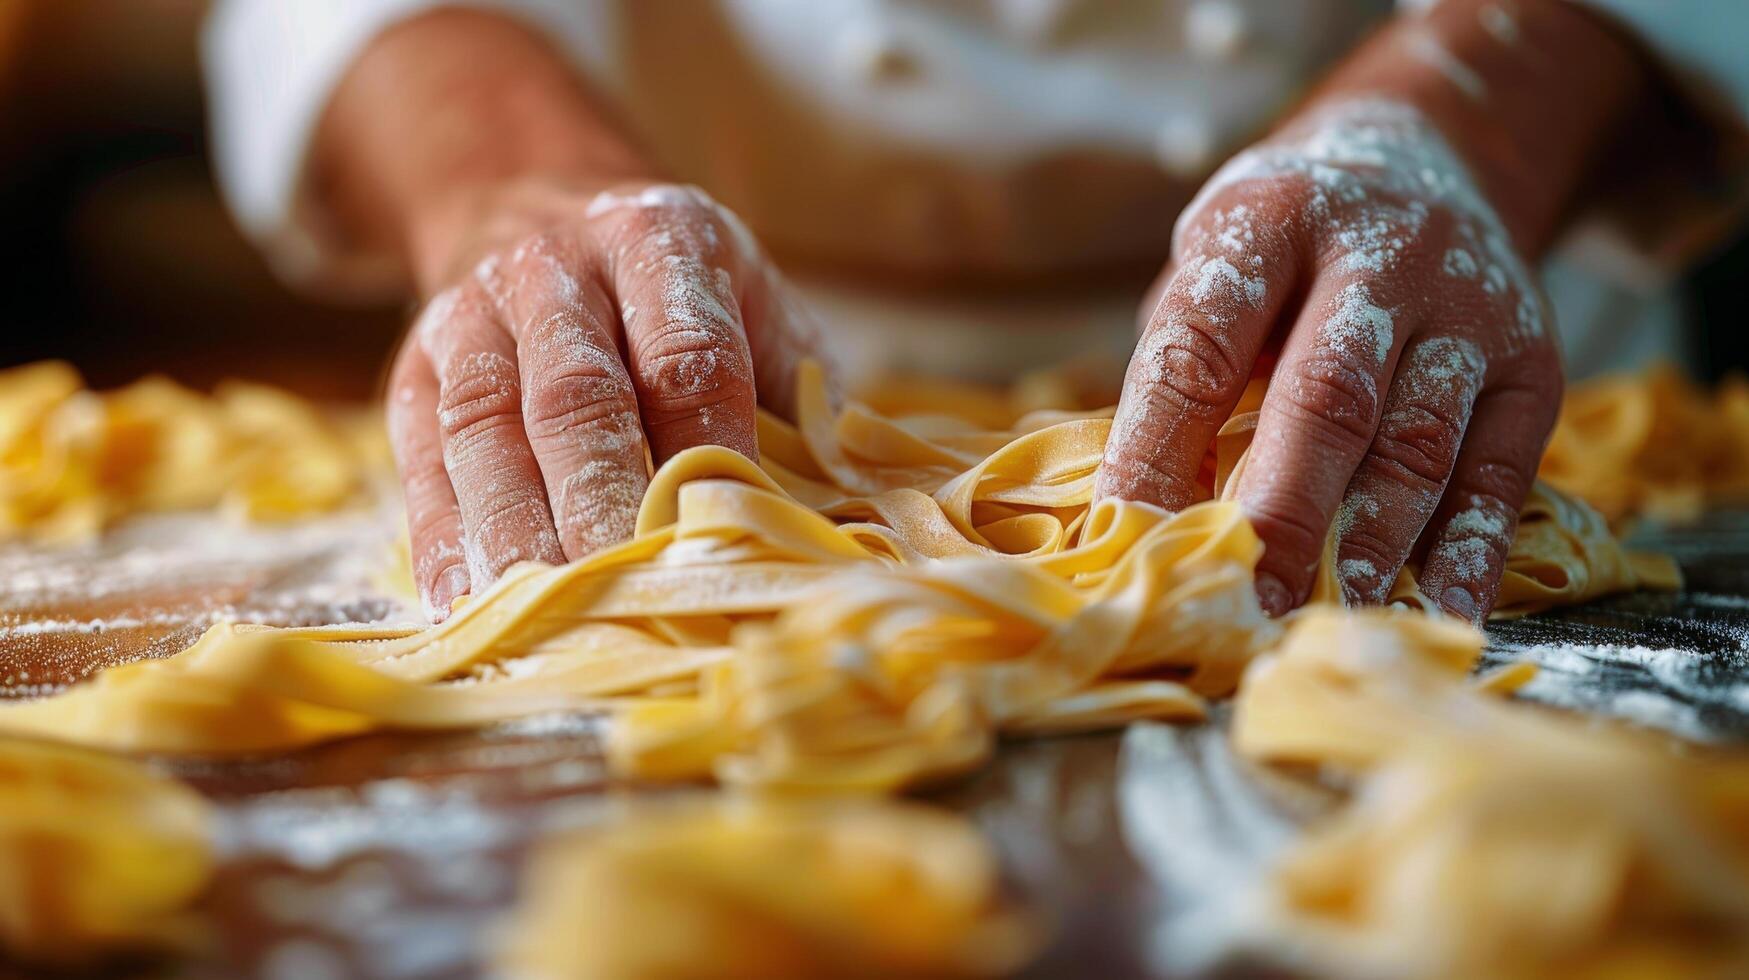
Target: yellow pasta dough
(1652, 443)
(791, 623)
(765, 889)
(1487, 838)
(97, 855)
(867, 609)
(73, 461)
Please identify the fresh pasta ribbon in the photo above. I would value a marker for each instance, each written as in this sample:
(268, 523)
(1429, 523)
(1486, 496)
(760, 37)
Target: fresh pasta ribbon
(1488, 838)
(97, 856)
(238, 692)
(766, 889)
(866, 608)
(1651, 443)
(73, 462)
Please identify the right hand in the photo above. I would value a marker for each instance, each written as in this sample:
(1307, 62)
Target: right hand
(571, 338)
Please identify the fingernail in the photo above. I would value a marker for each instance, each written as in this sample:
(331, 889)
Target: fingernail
(453, 582)
(1272, 595)
(1458, 601)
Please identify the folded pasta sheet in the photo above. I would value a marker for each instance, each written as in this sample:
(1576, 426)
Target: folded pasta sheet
(767, 890)
(73, 461)
(97, 856)
(1488, 838)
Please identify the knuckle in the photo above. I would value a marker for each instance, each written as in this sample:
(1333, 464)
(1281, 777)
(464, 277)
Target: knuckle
(436, 319)
(514, 526)
(1289, 524)
(1422, 442)
(541, 265)
(572, 396)
(1367, 562)
(679, 220)
(1501, 481)
(1335, 396)
(1134, 471)
(509, 512)
(687, 368)
(1193, 368)
(484, 393)
(535, 249)
(1373, 546)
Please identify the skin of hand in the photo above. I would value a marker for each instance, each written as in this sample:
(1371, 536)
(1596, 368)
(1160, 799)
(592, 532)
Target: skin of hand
(1380, 243)
(585, 321)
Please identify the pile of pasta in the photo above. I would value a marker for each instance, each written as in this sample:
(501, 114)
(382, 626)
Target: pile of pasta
(97, 854)
(864, 610)
(74, 461)
(1652, 443)
(1486, 838)
(868, 607)
(766, 889)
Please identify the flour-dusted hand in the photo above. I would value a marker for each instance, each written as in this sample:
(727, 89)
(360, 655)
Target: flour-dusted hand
(584, 319)
(1418, 373)
(587, 336)
(1379, 245)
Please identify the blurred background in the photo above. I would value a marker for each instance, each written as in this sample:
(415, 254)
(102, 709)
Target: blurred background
(119, 256)
(117, 253)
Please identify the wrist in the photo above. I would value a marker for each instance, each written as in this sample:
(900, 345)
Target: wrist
(445, 111)
(1527, 93)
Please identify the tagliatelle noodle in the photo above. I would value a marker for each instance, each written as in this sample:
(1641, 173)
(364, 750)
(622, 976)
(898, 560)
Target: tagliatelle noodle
(867, 608)
(1487, 838)
(765, 889)
(1652, 443)
(73, 461)
(96, 855)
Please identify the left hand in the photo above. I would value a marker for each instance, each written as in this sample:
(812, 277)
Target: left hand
(1418, 378)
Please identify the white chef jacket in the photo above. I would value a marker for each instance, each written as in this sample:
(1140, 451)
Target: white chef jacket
(1022, 138)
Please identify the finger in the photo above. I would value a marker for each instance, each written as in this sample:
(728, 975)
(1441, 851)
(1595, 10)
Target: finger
(579, 407)
(497, 482)
(782, 334)
(1398, 486)
(434, 523)
(1195, 357)
(673, 271)
(1474, 526)
(1316, 425)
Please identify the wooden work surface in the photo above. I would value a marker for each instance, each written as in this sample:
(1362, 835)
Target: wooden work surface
(390, 856)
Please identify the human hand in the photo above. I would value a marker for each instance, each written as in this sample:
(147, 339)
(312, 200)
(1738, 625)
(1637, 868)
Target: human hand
(1418, 375)
(571, 338)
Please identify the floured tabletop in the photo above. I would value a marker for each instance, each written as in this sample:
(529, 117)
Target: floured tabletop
(393, 855)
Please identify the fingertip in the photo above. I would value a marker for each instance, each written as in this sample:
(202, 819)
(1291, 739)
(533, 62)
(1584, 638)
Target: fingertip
(443, 592)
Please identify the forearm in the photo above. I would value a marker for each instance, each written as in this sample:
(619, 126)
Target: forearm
(441, 107)
(1526, 91)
